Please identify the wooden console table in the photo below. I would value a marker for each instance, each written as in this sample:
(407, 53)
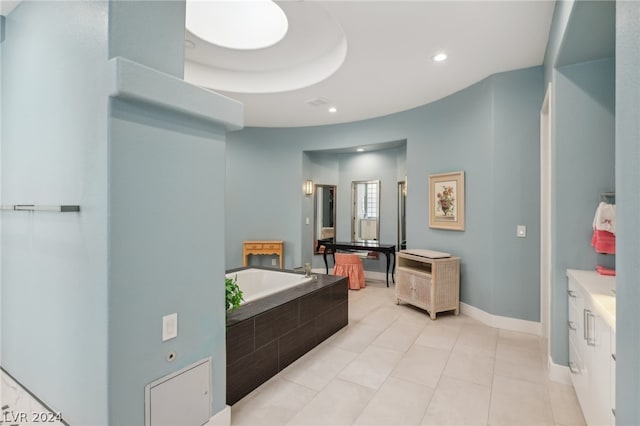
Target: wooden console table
(263, 248)
(388, 250)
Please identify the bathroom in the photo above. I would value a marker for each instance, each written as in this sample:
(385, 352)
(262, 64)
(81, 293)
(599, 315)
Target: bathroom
(109, 329)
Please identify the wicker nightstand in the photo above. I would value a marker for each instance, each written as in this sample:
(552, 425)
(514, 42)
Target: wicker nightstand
(430, 284)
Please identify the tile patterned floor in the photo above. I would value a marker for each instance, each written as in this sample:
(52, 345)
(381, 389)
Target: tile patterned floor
(392, 365)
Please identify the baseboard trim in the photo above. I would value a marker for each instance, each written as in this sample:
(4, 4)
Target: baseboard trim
(559, 373)
(221, 418)
(368, 275)
(513, 324)
(378, 276)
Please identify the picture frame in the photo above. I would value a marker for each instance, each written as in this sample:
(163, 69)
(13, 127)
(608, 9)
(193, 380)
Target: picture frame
(446, 201)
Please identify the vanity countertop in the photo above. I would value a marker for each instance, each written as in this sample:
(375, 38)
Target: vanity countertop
(601, 289)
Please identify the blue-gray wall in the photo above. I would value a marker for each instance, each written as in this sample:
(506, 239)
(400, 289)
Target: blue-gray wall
(489, 130)
(150, 32)
(83, 294)
(583, 135)
(516, 179)
(584, 149)
(2, 26)
(54, 148)
(585, 159)
(628, 212)
(340, 169)
(165, 254)
(166, 176)
(559, 23)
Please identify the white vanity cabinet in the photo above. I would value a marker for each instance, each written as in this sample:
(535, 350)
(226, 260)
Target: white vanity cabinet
(579, 372)
(592, 344)
(600, 342)
(612, 363)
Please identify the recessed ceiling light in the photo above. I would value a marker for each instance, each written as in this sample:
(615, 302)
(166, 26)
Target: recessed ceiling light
(360, 149)
(333, 109)
(440, 57)
(241, 25)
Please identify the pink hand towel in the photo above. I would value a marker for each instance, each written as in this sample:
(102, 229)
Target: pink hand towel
(605, 271)
(604, 242)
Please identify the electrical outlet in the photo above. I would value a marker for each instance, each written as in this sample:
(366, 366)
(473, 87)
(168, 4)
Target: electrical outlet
(274, 262)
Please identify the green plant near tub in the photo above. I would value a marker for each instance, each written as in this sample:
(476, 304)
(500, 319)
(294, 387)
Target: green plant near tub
(233, 293)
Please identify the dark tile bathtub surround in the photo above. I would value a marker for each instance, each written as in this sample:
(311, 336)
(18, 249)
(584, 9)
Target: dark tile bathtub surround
(265, 336)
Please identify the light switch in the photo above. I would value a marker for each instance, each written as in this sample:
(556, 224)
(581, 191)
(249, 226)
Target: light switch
(521, 231)
(307, 221)
(169, 327)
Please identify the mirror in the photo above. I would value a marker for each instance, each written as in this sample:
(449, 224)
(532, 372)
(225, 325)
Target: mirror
(365, 198)
(402, 223)
(324, 215)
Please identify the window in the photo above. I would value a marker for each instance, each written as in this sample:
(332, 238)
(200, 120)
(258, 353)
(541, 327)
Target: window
(366, 199)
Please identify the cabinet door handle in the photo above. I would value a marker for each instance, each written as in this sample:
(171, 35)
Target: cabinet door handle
(571, 326)
(585, 322)
(591, 340)
(571, 293)
(573, 368)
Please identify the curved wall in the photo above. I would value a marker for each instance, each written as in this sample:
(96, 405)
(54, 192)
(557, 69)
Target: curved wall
(489, 130)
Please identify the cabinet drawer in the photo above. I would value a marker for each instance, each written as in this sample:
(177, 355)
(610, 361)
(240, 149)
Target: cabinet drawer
(576, 321)
(575, 362)
(579, 376)
(252, 246)
(576, 311)
(271, 246)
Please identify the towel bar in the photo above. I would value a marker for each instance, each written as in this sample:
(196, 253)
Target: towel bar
(604, 196)
(32, 208)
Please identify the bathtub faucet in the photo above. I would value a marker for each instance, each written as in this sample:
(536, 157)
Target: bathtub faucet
(307, 270)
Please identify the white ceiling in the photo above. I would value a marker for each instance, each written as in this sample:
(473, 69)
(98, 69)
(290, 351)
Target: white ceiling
(371, 58)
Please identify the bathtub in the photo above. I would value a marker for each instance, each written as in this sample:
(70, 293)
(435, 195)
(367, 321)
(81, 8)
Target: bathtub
(258, 283)
(278, 323)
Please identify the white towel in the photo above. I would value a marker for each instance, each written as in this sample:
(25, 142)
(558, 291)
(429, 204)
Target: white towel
(605, 218)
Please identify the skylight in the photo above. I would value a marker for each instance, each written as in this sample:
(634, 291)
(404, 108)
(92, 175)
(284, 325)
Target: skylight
(237, 24)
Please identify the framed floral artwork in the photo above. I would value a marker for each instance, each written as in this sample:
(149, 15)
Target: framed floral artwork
(446, 201)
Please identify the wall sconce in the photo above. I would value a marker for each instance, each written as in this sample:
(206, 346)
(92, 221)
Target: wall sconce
(307, 187)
